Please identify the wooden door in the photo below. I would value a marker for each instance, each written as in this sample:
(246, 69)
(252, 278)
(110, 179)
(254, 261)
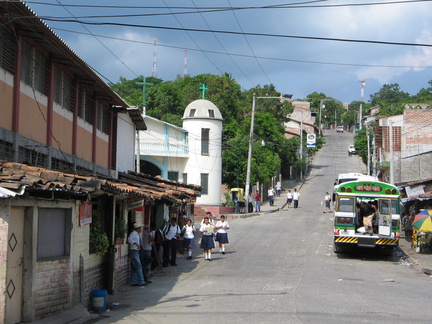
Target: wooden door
(14, 275)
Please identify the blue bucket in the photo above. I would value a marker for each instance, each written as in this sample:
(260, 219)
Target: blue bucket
(99, 297)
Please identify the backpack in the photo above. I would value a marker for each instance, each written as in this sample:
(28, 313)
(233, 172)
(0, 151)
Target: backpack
(158, 237)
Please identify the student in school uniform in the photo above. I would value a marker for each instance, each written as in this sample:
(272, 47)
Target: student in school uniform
(221, 235)
(207, 242)
(188, 238)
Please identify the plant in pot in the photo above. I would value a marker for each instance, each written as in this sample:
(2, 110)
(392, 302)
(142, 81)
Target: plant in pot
(119, 230)
(98, 237)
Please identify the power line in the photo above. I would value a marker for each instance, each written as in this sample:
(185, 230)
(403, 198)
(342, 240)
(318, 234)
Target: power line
(250, 56)
(236, 33)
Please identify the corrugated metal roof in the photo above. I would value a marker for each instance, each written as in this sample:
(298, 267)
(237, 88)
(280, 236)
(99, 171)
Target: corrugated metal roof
(39, 181)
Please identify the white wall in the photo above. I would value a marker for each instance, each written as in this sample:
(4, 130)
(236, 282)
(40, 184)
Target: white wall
(211, 164)
(125, 143)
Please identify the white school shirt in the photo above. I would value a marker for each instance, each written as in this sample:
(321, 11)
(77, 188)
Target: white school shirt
(296, 195)
(289, 195)
(189, 231)
(170, 231)
(204, 228)
(224, 226)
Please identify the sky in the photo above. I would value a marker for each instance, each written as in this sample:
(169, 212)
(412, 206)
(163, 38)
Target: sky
(301, 47)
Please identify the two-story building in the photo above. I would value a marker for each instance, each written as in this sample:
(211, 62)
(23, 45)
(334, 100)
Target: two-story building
(67, 181)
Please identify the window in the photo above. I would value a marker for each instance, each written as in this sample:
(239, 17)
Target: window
(6, 150)
(7, 51)
(184, 175)
(33, 69)
(85, 106)
(104, 120)
(192, 112)
(346, 205)
(211, 113)
(204, 183)
(54, 232)
(173, 175)
(205, 138)
(63, 89)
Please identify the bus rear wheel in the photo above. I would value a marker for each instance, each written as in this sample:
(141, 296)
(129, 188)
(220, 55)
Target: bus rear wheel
(338, 248)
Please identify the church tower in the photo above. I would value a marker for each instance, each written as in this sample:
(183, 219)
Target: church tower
(203, 122)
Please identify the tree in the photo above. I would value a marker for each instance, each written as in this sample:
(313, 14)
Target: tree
(424, 95)
(389, 94)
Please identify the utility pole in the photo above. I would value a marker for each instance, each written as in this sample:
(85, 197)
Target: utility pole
(154, 71)
(185, 63)
(391, 153)
(361, 103)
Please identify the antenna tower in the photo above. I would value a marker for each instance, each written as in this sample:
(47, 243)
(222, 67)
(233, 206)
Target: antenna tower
(185, 63)
(154, 70)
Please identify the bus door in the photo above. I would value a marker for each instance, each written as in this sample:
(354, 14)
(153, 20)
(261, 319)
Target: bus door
(384, 217)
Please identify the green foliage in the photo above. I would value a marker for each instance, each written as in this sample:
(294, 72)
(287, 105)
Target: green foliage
(98, 237)
(388, 95)
(228, 200)
(120, 227)
(361, 145)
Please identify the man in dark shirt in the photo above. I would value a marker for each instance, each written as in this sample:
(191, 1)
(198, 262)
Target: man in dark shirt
(367, 211)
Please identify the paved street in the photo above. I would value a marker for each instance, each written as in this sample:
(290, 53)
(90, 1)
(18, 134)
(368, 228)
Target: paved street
(280, 268)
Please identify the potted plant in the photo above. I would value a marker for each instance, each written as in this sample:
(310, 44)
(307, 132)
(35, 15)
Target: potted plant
(98, 237)
(119, 230)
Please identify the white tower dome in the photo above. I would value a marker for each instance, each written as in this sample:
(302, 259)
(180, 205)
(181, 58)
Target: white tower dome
(203, 122)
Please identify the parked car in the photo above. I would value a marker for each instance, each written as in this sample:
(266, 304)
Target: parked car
(351, 150)
(339, 129)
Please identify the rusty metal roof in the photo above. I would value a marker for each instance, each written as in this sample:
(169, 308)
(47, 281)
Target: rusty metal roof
(41, 182)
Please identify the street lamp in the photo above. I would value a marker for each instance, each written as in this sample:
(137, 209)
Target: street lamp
(322, 106)
(249, 163)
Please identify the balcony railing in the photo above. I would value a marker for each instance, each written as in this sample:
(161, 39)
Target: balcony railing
(164, 149)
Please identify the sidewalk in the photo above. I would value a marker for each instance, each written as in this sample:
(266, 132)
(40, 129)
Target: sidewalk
(130, 299)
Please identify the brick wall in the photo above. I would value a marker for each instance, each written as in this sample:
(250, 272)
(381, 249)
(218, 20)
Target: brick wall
(52, 287)
(94, 278)
(417, 127)
(122, 272)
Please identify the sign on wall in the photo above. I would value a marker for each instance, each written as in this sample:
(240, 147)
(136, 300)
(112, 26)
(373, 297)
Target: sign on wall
(311, 140)
(85, 213)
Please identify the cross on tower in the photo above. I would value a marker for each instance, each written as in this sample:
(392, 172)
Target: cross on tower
(203, 88)
(144, 84)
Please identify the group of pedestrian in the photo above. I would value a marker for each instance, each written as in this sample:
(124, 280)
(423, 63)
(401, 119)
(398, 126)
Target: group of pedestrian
(140, 258)
(293, 197)
(207, 229)
(149, 247)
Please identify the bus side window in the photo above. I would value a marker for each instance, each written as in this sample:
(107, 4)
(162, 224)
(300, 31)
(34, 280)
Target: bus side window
(385, 208)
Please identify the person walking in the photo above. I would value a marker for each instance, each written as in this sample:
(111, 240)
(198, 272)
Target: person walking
(157, 247)
(278, 188)
(171, 232)
(326, 201)
(270, 195)
(289, 198)
(221, 235)
(207, 243)
(250, 203)
(188, 232)
(145, 253)
(296, 196)
(137, 278)
(257, 200)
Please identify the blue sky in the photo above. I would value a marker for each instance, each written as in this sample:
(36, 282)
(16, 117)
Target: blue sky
(262, 45)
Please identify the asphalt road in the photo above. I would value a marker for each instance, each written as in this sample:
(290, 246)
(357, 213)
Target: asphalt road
(281, 268)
